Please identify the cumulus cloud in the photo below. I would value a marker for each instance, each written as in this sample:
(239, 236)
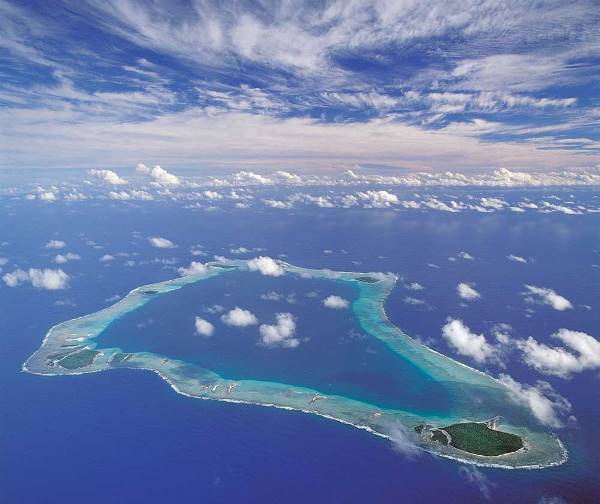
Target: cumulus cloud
(467, 343)
(107, 258)
(158, 242)
(266, 266)
(559, 361)
(160, 175)
(378, 199)
(50, 279)
(55, 244)
(288, 177)
(195, 268)
(335, 302)
(64, 258)
(516, 258)
(204, 327)
(108, 176)
(47, 196)
(131, 195)
(280, 334)
(466, 291)
(416, 286)
(547, 296)
(466, 256)
(543, 401)
(239, 317)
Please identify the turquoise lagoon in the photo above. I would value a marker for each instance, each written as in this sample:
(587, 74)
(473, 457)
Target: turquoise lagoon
(376, 379)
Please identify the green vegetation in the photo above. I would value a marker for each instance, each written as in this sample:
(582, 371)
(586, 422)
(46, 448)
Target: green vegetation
(367, 279)
(120, 358)
(478, 438)
(438, 436)
(79, 359)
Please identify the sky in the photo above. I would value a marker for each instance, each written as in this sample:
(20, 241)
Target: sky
(414, 85)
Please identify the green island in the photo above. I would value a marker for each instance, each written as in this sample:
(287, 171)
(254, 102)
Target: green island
(477, 438)
(79, 359)
(367, 279)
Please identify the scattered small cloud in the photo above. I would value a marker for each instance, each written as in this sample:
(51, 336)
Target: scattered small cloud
(108, 176)
(516, 258)
(195, 268)
(467, 292)
(55, 244)
(49, 279)
(266, 266)
(112, 299)
(542, 295)
(560, 361)
(416, 286)
(107, 258)
(335, 302)
(64, 258)
(204, 327)
(280, 334)
(159, 175)
(466, 342)
(162, 243)
(239, 317)
(466, 256)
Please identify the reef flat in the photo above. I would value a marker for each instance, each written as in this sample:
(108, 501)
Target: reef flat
(75, 347)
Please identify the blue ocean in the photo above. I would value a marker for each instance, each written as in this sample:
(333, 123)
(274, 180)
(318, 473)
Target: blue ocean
(126, 436)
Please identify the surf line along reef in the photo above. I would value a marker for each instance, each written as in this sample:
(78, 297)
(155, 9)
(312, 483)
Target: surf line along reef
(479, 423)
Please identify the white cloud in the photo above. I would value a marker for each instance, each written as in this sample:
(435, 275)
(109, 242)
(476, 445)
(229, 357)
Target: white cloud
(466, 256)
(466, 291)
(467, 343)
(559, 361)
(280, 334)
(48, 196)
(378, 199)
(50, 279)
(416, 286)
(64, 258)
(516, 258)
(252, 178)
(204, 327)
(403, 440)
(107, 258)
(545, 404)
(288, 177)
(547, 296)
(131, 195)
(266, 266)
(195, 268)
(108, 176)
(158, 242)
(160, 175)
(336, 302)
(477, 478)
(55, 244)
(239, 317)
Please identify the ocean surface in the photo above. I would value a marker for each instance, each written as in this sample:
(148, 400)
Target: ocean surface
(125, 435)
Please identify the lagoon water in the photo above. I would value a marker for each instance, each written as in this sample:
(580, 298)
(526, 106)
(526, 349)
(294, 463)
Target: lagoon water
(126, 432)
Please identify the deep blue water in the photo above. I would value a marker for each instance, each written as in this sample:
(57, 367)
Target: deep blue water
(126, 436)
